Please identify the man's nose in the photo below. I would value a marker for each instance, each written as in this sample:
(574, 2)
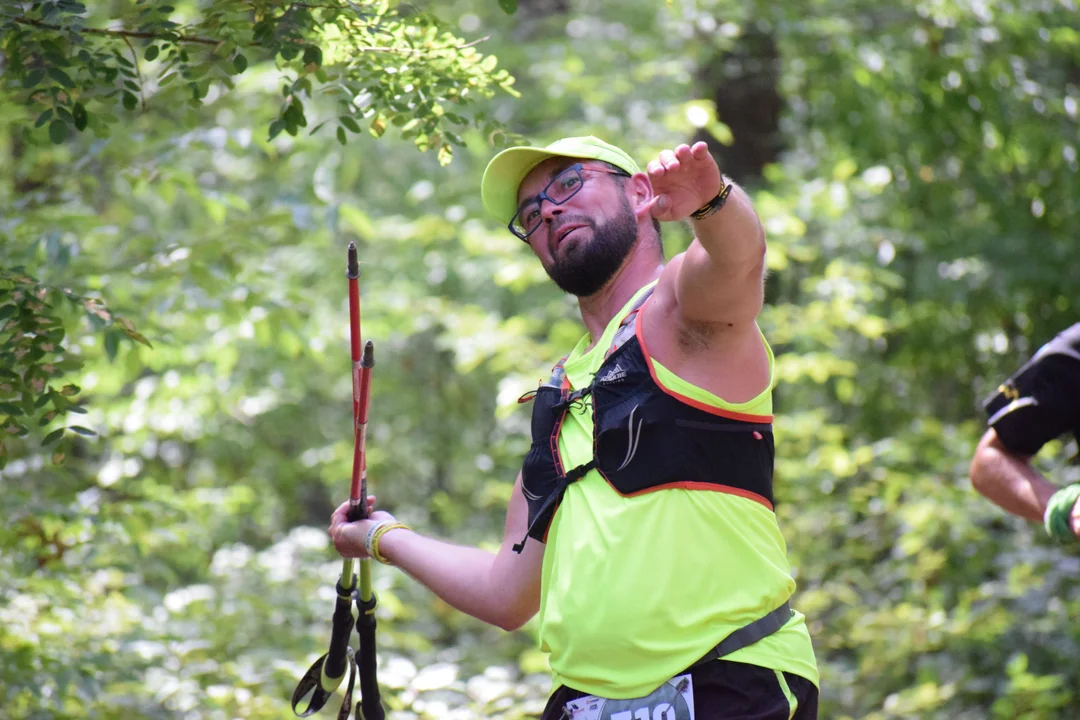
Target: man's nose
(549, 210)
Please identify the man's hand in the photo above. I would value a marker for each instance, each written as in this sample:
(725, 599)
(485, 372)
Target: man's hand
(683, 180)
(348, 536)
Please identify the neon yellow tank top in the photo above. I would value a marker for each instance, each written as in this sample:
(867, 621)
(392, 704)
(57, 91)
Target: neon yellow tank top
(636, 589)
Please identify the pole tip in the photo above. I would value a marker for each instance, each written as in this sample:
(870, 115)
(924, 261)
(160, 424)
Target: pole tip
(368, 360)
(353, 270)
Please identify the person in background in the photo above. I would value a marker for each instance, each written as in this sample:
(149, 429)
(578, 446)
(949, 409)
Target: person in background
(1037, 404)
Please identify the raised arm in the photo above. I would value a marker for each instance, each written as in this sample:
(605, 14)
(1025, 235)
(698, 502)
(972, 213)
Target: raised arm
(1009, 481)
(501, 589)
(720, 278)
(1039, 403)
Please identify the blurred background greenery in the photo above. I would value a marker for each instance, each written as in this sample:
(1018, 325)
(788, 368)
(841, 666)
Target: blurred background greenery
(172, 256)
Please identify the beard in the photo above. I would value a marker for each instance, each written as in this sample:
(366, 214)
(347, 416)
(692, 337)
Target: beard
(588, 266)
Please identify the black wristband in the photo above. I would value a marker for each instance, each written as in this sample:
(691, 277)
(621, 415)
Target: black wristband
(713, 206)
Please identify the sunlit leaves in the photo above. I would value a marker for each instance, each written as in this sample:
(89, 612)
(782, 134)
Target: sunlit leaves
(399, 66)
(911, 267)
(33, 355)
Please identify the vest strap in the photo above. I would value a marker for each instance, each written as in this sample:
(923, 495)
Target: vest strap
(626, 327)
(750, 634)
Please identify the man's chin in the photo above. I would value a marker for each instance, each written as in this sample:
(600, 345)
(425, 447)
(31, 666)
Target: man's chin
(571, 241)
(580, 282)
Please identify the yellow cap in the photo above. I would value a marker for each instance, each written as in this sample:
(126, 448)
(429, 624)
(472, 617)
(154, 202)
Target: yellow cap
(504, 173)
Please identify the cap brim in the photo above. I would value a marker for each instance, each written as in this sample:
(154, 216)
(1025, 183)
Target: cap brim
(503, 177)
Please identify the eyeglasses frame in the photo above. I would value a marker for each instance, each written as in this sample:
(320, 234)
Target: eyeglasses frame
(542, 195)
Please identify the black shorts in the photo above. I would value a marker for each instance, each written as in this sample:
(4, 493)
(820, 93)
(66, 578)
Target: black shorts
(725, 690)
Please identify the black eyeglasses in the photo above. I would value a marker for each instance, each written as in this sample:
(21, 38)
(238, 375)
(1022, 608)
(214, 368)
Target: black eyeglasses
(561, 188)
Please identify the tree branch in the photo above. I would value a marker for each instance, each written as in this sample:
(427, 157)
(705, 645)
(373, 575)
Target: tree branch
(419, 51)
(138, 73)
(120, 33)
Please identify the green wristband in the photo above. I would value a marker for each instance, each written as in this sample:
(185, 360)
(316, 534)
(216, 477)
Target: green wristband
(1058, 516)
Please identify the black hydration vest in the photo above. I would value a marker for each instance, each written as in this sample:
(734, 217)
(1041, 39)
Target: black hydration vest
(1040, 400)
(644, 437)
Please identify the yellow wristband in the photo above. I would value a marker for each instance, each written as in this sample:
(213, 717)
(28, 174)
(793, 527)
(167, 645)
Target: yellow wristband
(379, 532)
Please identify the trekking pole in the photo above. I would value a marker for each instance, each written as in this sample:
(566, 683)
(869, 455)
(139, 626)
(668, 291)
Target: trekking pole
(369, 707)
(327, 673)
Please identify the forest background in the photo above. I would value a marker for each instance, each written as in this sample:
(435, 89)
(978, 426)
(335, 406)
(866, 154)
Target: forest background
(178, 183)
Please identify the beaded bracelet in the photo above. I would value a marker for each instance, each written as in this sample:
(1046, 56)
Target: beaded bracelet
(713, 206)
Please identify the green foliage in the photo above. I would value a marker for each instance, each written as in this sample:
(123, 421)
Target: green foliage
(919, 213)
(34, 360)
(368, 63)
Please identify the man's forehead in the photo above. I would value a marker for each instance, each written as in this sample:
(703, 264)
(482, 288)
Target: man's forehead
(548, 169)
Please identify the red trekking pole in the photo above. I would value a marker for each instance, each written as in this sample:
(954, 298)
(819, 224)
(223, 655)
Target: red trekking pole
(325, 676)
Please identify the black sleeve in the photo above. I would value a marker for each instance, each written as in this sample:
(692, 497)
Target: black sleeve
(1042, 400)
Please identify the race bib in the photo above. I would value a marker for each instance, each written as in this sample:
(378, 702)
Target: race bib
(674, 700)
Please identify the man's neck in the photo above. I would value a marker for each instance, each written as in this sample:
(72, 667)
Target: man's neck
(599, 309)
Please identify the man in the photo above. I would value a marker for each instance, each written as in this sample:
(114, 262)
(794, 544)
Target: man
(648, 543)
(1037, 404)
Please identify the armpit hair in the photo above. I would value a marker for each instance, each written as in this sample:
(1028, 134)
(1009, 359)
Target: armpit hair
(694, 336)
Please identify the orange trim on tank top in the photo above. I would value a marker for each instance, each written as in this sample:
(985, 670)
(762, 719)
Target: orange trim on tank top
(732, 414)
(697, 485)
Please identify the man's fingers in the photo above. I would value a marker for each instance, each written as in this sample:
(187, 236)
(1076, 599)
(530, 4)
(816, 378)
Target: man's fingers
(339, 515)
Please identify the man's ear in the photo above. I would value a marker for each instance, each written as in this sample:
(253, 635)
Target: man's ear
(640, 194)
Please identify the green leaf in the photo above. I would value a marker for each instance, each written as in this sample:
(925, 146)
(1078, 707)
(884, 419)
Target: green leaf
(10, 409)
(14, 428)
(112, 344)
(349, 123)
(151, 53)
(58, 131)
(341, 136)
(312, 55)
(130, 101)
(79, 116)
(87, 432)
(137, 337)
(52, 437)
(61, 77)
(508, 6)
(275, 129)
(33, 78)
(240, 63)
(43, 118)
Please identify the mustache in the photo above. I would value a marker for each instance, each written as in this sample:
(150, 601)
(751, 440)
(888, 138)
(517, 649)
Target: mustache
(556, 227)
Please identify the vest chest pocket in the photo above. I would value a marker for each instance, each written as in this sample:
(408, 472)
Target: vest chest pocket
(647, 440)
